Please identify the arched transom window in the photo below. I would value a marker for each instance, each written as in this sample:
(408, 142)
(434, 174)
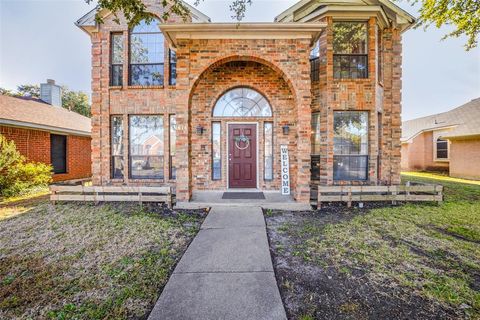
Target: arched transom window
(242, 102)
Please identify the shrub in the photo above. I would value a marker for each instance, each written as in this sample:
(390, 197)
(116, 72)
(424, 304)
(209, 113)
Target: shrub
(16, 174)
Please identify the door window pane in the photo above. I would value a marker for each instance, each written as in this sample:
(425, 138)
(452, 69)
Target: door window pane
(316, 133)
(146, 147)
(117, 159)
(173, 142)
(268, 140)
(216, 151)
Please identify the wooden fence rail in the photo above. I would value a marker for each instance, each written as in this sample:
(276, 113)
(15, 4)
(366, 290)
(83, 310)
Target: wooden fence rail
(111, 193)
(407, 192)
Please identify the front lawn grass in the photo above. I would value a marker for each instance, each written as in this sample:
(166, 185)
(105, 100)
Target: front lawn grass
(424, 255)
(81, 261)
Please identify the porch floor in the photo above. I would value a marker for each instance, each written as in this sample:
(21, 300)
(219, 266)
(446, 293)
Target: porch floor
(273, 200)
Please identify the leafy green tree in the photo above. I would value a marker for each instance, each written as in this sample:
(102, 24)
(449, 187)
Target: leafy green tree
(464, 15)
(76, 101)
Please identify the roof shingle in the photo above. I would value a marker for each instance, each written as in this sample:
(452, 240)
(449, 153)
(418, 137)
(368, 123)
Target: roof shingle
(32, 113)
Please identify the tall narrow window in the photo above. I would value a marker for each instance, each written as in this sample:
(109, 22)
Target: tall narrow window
(315, 62)
(442, 149)
(379, 55)
(350, 145)
(146, 54)
(216, 151)
(116, 59)
(173, 142)
(350, 58)
(172, 79)
(268, 141)
(58, 153)
(117, 162)
(316, 133)
(315, 156)
(146, 147)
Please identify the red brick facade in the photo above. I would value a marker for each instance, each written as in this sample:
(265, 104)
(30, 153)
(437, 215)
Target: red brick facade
(35, 145)
(279, 68)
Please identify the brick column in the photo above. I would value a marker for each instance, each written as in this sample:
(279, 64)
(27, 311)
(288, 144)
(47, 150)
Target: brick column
(182, 156)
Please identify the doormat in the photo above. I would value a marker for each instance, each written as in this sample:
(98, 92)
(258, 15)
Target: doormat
(243, 195)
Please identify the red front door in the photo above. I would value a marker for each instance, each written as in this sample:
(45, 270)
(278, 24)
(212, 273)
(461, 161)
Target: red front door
(242, 155)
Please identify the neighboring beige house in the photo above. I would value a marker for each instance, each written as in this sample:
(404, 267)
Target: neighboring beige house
(448, 141)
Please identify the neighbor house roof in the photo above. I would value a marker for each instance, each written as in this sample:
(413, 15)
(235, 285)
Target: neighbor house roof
(36, 114)
(88, 23)
(464, 121)
(307, 10)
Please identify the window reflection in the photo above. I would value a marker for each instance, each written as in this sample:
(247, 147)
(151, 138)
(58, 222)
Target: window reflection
(350, 145)
(146, 54)
(117, 161)
(146, 147)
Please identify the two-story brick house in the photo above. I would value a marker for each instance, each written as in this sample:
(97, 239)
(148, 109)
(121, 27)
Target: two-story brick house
(206, 106)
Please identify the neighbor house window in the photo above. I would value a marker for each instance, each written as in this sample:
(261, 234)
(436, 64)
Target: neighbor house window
(146, 54)
(315, 153)
(216, 151)
(350, 58)
(58, 153)
(116, 59)
(315, 62)
(442, 149)
(172, 58)
(173, 142)
(117, 162)
(146, 147)
(350, 145)
(268, 142)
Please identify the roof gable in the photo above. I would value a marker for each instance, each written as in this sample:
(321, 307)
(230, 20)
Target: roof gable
(88, 23)
(308, 10)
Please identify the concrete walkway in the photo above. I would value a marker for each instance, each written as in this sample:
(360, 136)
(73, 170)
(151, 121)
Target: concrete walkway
(226, 272)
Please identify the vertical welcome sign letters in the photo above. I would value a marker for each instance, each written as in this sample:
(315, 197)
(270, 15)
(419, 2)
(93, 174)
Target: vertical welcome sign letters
(285, 170)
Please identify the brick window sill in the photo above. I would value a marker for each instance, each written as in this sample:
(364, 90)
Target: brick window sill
(145, 87)
(353, 80)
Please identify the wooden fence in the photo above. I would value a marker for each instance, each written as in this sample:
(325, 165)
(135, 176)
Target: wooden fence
(111, 193)
(407, 192)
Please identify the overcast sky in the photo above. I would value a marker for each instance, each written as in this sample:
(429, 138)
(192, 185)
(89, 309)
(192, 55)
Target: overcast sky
(38, 40)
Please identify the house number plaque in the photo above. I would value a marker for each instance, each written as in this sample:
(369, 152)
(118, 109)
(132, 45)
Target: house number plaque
(285, 170)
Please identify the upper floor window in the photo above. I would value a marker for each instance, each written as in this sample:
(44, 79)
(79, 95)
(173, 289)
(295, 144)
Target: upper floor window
(116, 59)
(146, 54)
(315, 62)
(172, 59)
(350, 58)
(442, 149)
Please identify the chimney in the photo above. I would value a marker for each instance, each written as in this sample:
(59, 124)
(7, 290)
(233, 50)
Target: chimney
(51, 93)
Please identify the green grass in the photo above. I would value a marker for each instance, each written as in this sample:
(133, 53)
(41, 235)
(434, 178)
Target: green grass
(88, 262)
(432, 250)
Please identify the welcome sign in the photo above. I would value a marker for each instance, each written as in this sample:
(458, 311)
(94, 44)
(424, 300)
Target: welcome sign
(285, 170)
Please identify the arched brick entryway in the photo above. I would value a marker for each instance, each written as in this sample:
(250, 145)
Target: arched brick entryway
(220, 77)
